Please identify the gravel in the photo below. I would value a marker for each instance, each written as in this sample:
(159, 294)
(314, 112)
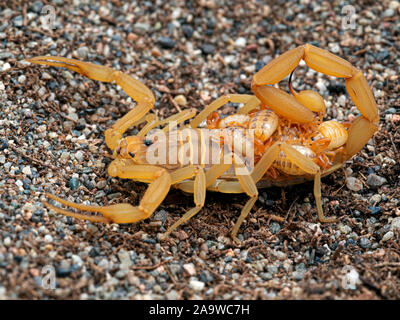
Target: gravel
(52, 124)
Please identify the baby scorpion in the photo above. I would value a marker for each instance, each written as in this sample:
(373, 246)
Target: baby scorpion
(291, 143)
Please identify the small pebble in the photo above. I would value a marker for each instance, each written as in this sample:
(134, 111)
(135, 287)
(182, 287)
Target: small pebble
(342, 101)
(365, 243)
(375, 199)
(345, 229)
(395, 225)
(387, 236)
(189, 269)
(27, 170)
(166, 43)
(22, 79)
(181, 100)
(161, 215)
(7, 241)
(375, 181)
(83, 52)
(73, 183)
(79, 155)
(274, 227)
(125, 259)
(374, 209)
(240, 42)
(187, 31)
(207, 49)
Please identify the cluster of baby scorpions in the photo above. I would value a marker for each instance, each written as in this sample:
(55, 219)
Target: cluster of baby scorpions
(292, 143)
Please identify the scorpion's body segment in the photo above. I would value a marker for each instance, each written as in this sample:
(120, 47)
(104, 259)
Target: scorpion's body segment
(289, 130)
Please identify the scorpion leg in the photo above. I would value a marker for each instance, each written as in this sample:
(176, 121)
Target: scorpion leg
(265, 162)
(212, 174)
(152, 121)
(199, 194)
(218, 103)
(249, 187)
(122, 212)
(134, 88)
(173, 121)
(227, 186)
(310, 167)
(178, 118)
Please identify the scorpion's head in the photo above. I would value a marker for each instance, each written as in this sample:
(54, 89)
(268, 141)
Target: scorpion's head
(133, 148)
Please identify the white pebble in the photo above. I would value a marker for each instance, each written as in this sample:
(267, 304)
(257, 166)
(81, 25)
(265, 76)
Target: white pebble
(77, 260)
(64, 155)
(6, 67)
(388, 235)
(335, 48)
(176, 13)
(344, 228)
(79, 155)
(103, 264)
(196, 285)
(395, 224)
(41, 91)
(320, 86)
(349, 172)
(73, 116)
(240, 42)
(229, 59)
(379, 94)
(354, 184)
(189, 269)
(393, 5)
(375, 199)
(180, 100)
(41, 128)
(342, 100)
(314, 227)
(48, 238)
(21, 79)
(7, 241)
(3, 293)
(46, 76)
(125, 259)
(27, 170)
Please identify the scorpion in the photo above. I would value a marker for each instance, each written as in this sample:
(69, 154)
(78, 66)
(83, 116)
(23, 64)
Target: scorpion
(292, 143)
